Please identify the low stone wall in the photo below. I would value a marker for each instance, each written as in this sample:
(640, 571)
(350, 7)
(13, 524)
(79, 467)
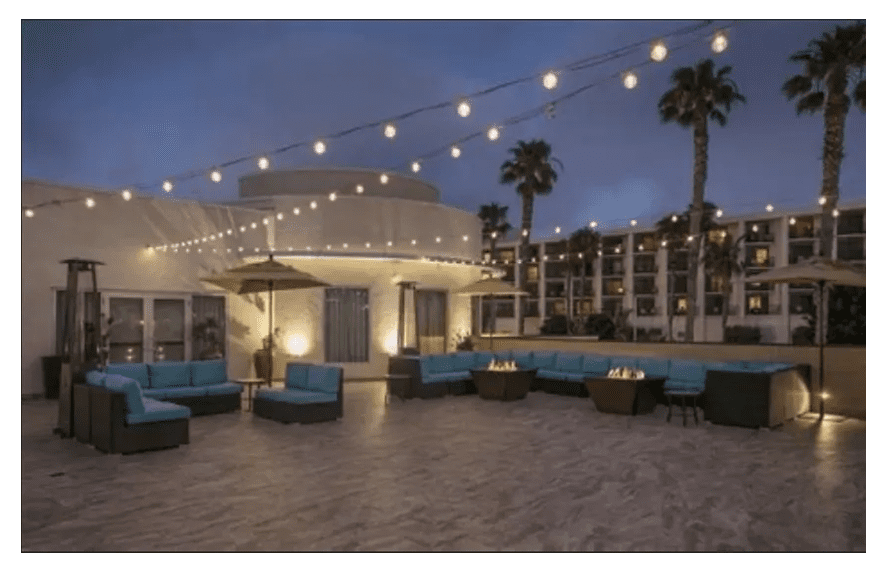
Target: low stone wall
(844, 366)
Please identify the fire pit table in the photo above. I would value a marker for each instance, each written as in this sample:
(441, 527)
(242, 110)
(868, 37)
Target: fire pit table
(503, 384)
(630, 396)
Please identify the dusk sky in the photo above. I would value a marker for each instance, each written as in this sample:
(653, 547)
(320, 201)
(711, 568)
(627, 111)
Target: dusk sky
(115, 104)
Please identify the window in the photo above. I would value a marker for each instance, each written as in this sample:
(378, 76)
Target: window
(803, 227)
(758, 256)
(614, 287)
(347, 324)
(644, 284)
(208, 333)
(761, 234)
(713, 304)
(555, 269)
(169, 330)
(509, 273)
(645, 243)
(532, 289)
(613, 266)
(851, 222)
(678, 283)
(645, 306)
(679, 261)
(555, 290)
(530, 309)
(644, 263)
(757, 304)
(714, 283)
(802, 302)
(679, 305)
(851, 248)
(506, 254)
(555, 307)
(612, 305)
(717, 235)
(583, 307)
(798, 251)
(505, 307)
(588, 287)
(126, 334)
(532, 272)
(554, 249)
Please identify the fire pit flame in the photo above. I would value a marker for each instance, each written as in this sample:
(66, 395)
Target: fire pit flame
(502, 366)
(626, 373)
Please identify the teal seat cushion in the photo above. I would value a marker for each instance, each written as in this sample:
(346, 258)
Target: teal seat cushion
(523, 358)
(169, 374)
(95, 378)
(296, 376)
(446, 363)
(157, 411)
(622, 362)
(296, 396)
(157, 393)
(181, 392)
(568, 363)
(322, 379)
(463, 361)
(482, 359)
(222, 389)
(545, 359)
(687, 370)
(595, 364)
(448, 377)
(573, 377)
(135, 402)
(205, 372)
(138, 372)
(654, 367)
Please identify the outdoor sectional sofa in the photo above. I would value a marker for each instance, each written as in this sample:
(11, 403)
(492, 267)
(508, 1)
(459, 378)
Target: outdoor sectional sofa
(311, 393)
(735, 393)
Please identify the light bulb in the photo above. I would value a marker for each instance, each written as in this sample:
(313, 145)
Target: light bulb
(754, 228)
(455, 151)
(493, 133)
(664, 242)
(659, 51)
(822, 200)
(416, 166)
(240, 249)
(557, 230)
(383, 178)
(329, 246)
(633, 222)
(359, 189)
(264, 221)
(313, 204)
(494, 234)
(90, 203)
(463, 108)
(127, 195)
(719, 213)
(345, 245)
(263, 163)
(593, 224)
(630, 80)
(674, 218)
(390, 243)
(368, 245)
(29, 213)
(792, 221)
(769, 208)
(437, 239)
(525, 232)
(835, 213)
(167, 185)
(689, 238)
(242, 228)
(279, 215)
(319, 147)
(549, 80)
(253, 225)
(215, 176)
(720, 42)
(413, 242)
(332, 196)
(296, 211)
(390, 130)
(465, 237)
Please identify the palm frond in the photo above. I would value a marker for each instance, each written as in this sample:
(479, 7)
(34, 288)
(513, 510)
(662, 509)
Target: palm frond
(859, 94)
(797, 85)
(810, 103)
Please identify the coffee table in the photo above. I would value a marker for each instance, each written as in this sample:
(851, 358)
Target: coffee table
(503, 384)
(624, 395)
(682, 396)
(249, 383)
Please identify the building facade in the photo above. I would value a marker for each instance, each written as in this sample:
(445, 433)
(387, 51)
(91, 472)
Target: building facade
(634, 273)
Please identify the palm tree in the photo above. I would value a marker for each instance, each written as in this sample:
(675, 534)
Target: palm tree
(531, 169)
(722, 261)
(494, 219)
(698, 94)
(830, 64)
(582, 246)
(671, 231)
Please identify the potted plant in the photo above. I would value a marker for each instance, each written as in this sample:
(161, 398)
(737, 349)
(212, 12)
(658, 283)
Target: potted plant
(463, 342)
(262, 357)
(208, 340)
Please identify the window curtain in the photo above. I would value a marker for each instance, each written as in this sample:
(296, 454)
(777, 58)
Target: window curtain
(347, 325)
(208, 329)
(430, 313)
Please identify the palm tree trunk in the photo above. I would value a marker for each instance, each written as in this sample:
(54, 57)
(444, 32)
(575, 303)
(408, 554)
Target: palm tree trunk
(726, 292)
(524, 253)
(493, 313)
(699, 175)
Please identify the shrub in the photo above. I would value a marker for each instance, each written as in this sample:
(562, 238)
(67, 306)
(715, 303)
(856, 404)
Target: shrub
(743, 335)
(600, 325)
(556, 324)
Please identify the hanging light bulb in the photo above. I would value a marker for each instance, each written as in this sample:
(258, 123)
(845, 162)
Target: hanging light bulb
(664, 243)
(630, 80)
(674, 218)
(835, 213)
(215, 176)
(383, 178)
(525, 232)
(390, 130)
(313, 204)
(416, 166)
(279, 215)
(658, 52)
(719, 213)
(549, 80)
(230, 231)
(253, 225)
(769, 208)
(127, 195)
(633, 222)
(90, 203)
(345, 245)
(412, 242)
(720, 42)
(754, 228)
(465, 237)
(368, 245)
(463, 108)
(822, 200)
(29, 213)
(263, 163)
(296, 211)
(455, 151)
(437, 239)
(264, 221)
(593, 224)
(557, 230)
(242, 228)
(332, 196)
(359, 189)
(319, 147)
(792, 221)
(493, 133)
(390, 243)
(167, 185)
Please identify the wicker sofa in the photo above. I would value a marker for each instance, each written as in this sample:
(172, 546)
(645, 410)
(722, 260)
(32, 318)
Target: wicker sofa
(311, 393)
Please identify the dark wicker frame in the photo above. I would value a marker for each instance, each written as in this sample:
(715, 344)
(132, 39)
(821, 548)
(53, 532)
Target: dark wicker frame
(204, 405)
(501, 385)
(755, 399)
(620, 396)
(287, 412)
(110, 433)
(560, 387)
(82, 413)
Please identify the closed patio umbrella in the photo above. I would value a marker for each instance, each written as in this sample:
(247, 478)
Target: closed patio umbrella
(268, 275)
(489, 287)
(817, 271)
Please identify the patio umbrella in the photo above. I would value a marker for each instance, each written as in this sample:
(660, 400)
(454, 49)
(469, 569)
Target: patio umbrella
(815, 271)
(489, 287)
(267, 275)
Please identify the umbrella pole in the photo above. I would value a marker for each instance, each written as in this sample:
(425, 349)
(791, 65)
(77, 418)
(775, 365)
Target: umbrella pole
(821, 336)
(491, 321)
(270, 332)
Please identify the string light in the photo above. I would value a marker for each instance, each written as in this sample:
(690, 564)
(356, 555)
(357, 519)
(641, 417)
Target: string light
(416, 166)
(633, 222)
(215, 176)
(593, 224)
(329, 246)
(493, 133)
(345, 245)
(463, 108)
(770, 208)
(658, 52)
(549, 80)
(674, 218)
(296, 211)
(383, 178)
(90, 203)
(390, 243)
(368, 245)
(313, 204)
(263, 163)
(29, 213)
(557, 230)
(630, 80)
(359, 189)
(792, 221)
(332, 196)
(822, 200)
(465, 237)
(413, 242)
(167, 185)
(390, 130)
(242, 228)
(664, 243)
(835, 213)
(525, 232)
(279, 215)
(720, 42)
(455, 151)
(437, 239)
(253, 226)
(264, 221)
(754, 228)
(719, 213)
(127, 195)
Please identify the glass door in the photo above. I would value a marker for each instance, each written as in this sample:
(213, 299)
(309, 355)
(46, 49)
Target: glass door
(126, 334)
(169, 329)
(430, 315)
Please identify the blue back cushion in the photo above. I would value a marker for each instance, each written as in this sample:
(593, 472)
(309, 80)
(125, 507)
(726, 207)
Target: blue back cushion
(446, 363)
(545, 359)
(482, 359)
(138, 372)
(169, 374)
(95, 378)
(622, 362)
(524, 358)
(208, 372)
(130, 389)
(687, 370)
(568, 362)
(323, 379)
(426, 363)
(654, 367)
(463, 361)
(296, 376)
(595, 364)
(504, 355)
